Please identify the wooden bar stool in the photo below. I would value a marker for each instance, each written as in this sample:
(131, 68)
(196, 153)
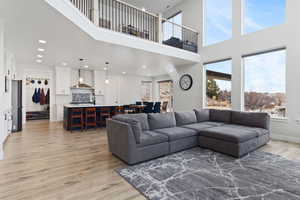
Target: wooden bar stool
(76, 119)
(103, 114)
(119, 110)
(90, 118)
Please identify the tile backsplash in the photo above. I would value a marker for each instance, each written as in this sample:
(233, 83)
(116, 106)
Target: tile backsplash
(82, 95)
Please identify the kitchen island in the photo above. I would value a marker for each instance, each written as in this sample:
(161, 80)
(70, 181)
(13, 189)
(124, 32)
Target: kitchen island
(68, 112)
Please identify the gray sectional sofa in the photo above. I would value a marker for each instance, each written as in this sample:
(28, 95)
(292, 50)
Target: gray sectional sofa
(136, 138)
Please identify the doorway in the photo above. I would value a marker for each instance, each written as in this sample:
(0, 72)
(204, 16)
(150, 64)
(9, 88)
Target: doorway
(166, 95)
(37, 97)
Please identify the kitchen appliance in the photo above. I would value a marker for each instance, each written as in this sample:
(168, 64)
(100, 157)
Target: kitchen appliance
(16, 105)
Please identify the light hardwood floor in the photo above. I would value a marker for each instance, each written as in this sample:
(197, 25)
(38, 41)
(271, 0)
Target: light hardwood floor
(44, 162)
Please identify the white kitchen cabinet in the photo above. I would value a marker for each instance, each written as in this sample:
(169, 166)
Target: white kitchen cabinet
(99, 82)
(112, 89)
(63, 81)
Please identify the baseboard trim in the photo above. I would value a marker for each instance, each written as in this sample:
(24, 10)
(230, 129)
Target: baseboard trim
(285, 138)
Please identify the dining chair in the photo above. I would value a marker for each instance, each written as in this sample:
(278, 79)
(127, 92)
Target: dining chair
(164, 106)
(149, 107)
(156, 108)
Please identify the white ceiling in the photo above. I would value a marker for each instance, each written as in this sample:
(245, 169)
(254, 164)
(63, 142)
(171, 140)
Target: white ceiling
(28, 21)
(155, 6)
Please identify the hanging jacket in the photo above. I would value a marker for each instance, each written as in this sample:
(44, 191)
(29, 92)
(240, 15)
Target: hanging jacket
(38, 96)
(42, 97)
(48, 97)
(34, 96)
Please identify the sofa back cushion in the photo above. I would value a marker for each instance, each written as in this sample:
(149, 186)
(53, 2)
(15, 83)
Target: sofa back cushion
(185, 118)
(202, 115)
(260, 120)
(142, 118)
(220, 115)
(135, 126)
(161, 120)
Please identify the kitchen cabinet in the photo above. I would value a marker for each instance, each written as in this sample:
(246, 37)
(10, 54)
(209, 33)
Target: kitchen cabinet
(99, 85)
(63, 80)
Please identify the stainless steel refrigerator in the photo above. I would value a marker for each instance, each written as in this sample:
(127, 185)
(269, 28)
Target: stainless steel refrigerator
(16, 106)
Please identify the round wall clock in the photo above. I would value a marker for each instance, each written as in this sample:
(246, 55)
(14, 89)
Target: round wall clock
(186, 82)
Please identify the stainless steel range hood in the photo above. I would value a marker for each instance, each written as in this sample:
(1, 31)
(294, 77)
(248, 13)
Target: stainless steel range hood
(80, 84)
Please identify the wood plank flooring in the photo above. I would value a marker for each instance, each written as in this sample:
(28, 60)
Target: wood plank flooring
(44, 162)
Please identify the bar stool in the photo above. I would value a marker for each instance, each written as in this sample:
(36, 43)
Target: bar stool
(76, 119)
(90, 118)
(119, 110)
(103, 114)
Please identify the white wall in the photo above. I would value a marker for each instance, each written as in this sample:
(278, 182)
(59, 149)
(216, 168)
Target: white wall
(285, 35)
(1, 88)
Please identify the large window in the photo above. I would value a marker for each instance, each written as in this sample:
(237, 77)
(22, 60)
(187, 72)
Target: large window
(217, 21)
(218, 85)
(170, 29)
(265, 76)
(166, 94)
(146, 90)
(260, 14)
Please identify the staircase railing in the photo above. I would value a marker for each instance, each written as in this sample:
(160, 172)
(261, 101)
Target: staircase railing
(180, 36)
(121, 17)
(85, 6)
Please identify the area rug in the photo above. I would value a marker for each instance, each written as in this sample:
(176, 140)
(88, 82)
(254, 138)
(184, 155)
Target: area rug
(199, 174)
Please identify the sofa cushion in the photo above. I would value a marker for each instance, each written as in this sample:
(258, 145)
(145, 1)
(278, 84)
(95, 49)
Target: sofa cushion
(229, 133)
(142, 118)
(177, 133)
(135, 126)
(161, 120)
(202, 115)
(259, 131)
(200, 126)
(220, 115)
(260, 120)
(152, 138)
(185, 118)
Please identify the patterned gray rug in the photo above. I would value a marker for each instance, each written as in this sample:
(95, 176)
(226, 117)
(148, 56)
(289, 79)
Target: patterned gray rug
(199, 174)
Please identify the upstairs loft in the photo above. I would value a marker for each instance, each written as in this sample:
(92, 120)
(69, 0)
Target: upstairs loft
(121, 17)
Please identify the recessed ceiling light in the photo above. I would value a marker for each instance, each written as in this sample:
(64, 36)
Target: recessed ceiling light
(144, 9)
(123, 72)
(42, 41)
(41, 50)
(105, 68)
(64, 64)
(144, 66)
(39, 61)
(86, 66)
(39, 56)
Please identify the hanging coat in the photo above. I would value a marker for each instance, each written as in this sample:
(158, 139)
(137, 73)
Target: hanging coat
(48, 97)
(34, 96)
(38, 96)
(42, 97)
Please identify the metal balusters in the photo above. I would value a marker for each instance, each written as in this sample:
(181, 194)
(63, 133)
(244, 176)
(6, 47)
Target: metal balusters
(122, 17)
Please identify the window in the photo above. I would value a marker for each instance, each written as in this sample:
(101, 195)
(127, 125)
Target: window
(218, 85)
(265, 77)
(217, 21)
(171, 30)
(260, 14)
(146, 90)
(166, 94)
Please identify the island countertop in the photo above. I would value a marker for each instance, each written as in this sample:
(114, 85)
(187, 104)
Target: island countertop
(88, 105)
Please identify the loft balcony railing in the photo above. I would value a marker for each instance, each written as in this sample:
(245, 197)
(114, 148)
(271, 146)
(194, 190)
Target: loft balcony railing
(179, 36)
(121, 17)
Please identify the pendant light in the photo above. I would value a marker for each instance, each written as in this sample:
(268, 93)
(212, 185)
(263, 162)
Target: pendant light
(106, 73)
